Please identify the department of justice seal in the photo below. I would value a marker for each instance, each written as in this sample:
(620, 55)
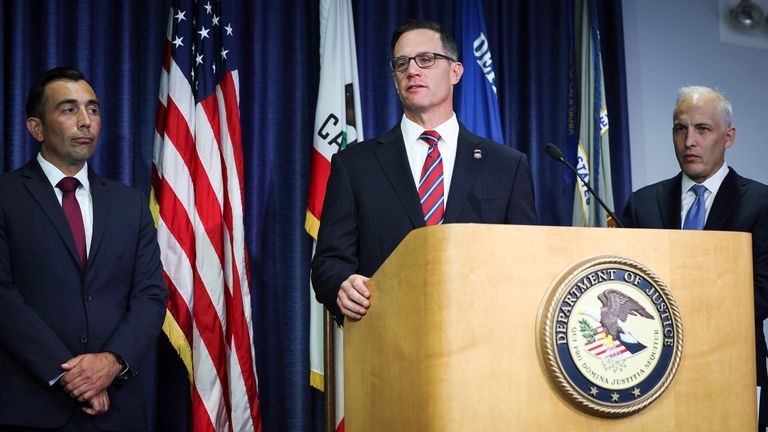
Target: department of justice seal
(609, 336)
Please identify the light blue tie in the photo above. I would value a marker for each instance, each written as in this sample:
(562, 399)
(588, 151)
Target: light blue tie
(694, 220)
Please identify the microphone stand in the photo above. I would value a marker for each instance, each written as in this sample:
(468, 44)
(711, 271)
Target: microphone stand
(555, 153)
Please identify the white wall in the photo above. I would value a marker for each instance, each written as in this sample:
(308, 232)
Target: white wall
(672, 43)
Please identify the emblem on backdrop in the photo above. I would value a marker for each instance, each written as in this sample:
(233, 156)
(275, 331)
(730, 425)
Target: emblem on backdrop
(609, 336)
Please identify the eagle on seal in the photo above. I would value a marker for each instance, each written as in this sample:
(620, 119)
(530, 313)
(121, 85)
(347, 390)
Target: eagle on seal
(616, 308)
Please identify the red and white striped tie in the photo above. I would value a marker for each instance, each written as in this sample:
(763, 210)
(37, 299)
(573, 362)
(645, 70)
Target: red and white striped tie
(431, 181)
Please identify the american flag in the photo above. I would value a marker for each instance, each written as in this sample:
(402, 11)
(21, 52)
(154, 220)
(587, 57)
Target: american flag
(197, 193)
(605, 347)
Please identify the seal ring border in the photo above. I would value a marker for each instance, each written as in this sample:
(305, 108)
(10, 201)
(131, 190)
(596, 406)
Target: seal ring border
(546, 347)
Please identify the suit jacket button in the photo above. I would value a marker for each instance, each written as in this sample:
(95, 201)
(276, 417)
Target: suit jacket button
(88, 298)
(83, 338)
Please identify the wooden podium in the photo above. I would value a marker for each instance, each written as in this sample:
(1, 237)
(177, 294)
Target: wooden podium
(449, 343)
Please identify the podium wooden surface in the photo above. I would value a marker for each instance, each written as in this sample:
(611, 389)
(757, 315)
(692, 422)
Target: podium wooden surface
(449, 343)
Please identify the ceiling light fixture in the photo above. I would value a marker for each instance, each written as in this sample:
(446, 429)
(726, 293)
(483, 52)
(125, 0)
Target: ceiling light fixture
(747, 15)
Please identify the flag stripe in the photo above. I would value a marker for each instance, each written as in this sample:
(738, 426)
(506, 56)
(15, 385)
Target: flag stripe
(216, 398)
(321, 170)
(175, 256)
(181, 314)
(232, 157)
(201, 421)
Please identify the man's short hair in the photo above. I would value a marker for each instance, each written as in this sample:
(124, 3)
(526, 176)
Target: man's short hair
(449, 43)
(36, 95)
(723, 105)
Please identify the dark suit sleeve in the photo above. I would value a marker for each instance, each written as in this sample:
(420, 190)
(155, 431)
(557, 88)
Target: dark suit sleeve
(141, 322)
(760, 263)
(522, 205)
(628, 217)
(337, 240)
(23, 334)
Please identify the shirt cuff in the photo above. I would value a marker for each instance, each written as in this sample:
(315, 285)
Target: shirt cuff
(123, 375)
(55, 380)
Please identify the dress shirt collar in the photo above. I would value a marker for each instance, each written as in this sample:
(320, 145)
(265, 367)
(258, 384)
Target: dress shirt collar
(712, 184)
(448, 130)
(54, 174)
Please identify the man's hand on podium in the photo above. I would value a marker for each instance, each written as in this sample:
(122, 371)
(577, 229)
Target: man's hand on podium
(353, 297)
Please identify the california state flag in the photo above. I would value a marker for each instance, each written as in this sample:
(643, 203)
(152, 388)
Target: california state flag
(338, 121)
(338, 124)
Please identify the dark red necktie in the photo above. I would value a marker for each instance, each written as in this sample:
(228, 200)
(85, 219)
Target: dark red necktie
(431, 181)
(68, 186)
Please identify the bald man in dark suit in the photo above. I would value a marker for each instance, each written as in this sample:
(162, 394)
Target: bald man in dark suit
(702, 131)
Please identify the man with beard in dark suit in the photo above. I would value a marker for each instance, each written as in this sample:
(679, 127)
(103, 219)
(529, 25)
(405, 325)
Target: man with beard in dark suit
(427, 170)
(709, 195)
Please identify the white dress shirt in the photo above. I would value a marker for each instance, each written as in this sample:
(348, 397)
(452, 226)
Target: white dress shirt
(687, 196)
(82, 194)
(417, 149)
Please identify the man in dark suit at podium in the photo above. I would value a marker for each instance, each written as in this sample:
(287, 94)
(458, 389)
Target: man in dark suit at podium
(82, 298)
(709, 195)
(427, 170)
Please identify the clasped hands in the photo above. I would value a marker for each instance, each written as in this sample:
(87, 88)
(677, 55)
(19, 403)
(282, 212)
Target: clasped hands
(87, 377)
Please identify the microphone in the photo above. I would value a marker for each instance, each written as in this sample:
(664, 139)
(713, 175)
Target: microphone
(555, 153)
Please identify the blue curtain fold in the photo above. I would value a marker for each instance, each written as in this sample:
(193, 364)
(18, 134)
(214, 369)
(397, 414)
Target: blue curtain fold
(278, 90)
(532, 87)
(614, 72)
(119, 46)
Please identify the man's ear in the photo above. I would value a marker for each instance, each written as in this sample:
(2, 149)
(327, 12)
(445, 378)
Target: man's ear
(394, 81)
(35, 127)
(457, 70)
(730, 136)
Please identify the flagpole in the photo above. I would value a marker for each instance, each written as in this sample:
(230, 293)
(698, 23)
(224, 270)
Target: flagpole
(329, 377)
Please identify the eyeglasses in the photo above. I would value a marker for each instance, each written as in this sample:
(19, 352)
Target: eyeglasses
(423, 60)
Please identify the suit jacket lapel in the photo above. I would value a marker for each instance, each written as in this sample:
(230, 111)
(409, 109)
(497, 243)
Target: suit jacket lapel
(465, 171)
(668, 196)
(669, 203)
(40, 189)
(727, 197)
(394, 162)
(100, 200)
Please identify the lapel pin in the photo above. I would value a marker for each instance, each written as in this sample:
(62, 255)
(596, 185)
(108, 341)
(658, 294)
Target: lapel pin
(478, 154)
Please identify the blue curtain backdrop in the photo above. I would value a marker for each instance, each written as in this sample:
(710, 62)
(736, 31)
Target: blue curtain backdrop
(118, 44)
